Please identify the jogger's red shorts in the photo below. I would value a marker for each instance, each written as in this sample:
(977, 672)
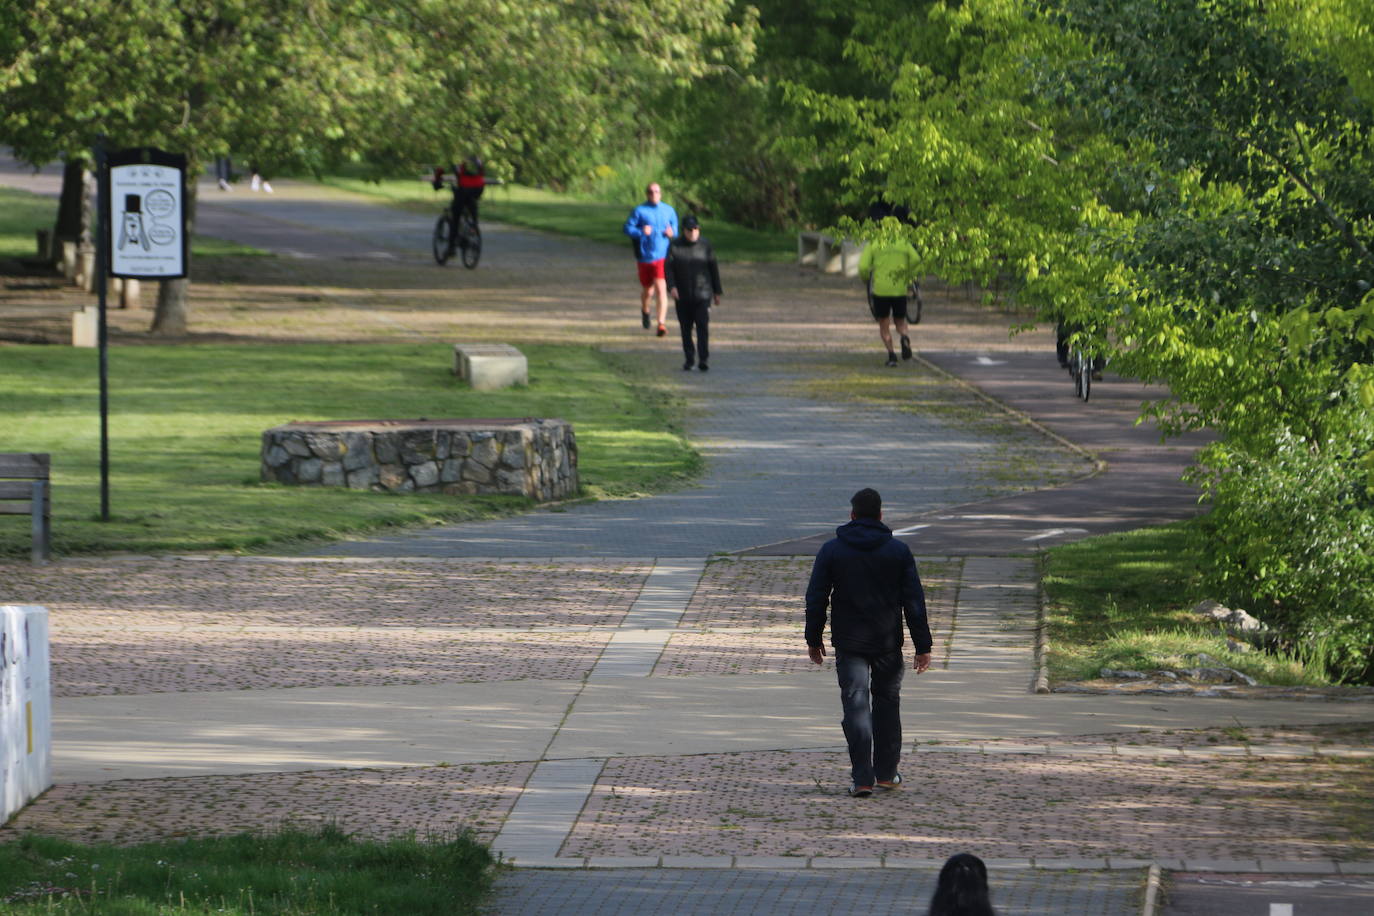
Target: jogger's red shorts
(649, 271)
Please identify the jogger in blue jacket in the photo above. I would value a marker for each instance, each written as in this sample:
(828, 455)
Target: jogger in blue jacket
(651, 226)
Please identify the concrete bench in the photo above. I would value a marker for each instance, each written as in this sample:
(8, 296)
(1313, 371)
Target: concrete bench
(818, 250)
(487, 367)
(24, 491)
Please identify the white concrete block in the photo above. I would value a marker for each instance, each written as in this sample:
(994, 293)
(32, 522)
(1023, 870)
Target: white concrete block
(487, 367)
(25, 707)
(86, 327)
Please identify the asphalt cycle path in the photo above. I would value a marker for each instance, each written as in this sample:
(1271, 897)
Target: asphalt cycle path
(1135, 481)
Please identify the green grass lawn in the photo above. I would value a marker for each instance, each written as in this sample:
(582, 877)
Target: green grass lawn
(285, 874)
(568, 214)
(21, 213)
(186, 424)
(1125, 601)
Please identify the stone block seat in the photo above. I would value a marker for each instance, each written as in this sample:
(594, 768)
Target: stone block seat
(487, 366)
(533, 457)
(818, 250)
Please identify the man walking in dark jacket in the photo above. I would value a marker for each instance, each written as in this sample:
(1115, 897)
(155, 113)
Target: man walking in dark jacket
(694, 283)
(869, 580)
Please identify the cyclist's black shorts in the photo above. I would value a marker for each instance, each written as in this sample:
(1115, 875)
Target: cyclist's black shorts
(885, 306)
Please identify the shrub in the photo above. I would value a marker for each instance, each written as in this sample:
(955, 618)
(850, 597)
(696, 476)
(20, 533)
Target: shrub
(1291, 536)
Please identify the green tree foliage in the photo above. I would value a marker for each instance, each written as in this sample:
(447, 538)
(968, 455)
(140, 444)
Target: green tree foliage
(533, 86)
(745, 152)
(1187, 182)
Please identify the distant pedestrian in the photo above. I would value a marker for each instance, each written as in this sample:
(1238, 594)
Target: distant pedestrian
(224, 173)
(962, 889)
(889, 268)
(868, 580)
(693, 280)
(257, 182)
(651, 226)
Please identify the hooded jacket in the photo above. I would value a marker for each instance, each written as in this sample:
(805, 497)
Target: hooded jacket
(868, 580)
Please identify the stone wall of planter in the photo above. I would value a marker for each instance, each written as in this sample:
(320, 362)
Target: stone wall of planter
(534, 457)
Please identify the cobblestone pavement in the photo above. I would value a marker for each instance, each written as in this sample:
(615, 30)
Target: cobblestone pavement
(1072, 802)
(429, 801)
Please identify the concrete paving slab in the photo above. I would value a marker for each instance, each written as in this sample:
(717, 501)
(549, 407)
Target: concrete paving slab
(836, 863)
(790, 891)
(698, 861)
(195, 734)
(1225, 865)
(736, 712)
(547, 809)
(1298, 867)
(623, 861)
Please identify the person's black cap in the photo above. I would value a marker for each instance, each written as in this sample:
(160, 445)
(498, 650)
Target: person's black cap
(690, 222)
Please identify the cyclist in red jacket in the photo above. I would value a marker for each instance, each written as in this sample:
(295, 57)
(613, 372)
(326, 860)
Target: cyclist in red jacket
(469, 181)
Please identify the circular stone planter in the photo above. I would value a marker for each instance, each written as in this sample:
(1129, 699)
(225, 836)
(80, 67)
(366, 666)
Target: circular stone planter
(537, 458)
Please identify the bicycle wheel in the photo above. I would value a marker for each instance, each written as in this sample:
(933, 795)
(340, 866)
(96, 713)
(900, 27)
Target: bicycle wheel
(443, 239)
(914, 305)
(1082, 374)
(470, 240)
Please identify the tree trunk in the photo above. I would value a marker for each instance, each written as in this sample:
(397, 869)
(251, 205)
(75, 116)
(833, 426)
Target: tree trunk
(170, 317)
(74, 211)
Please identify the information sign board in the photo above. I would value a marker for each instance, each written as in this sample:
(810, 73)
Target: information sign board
(145, 212)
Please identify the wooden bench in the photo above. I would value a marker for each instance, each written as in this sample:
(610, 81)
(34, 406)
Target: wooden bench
(24, 491)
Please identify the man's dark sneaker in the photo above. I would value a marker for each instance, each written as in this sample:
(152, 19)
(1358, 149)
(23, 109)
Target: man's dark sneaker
(645, 316)
(687, 366)
(906, 347)
(704, 368)
(860, 791)
(891, 358)
(887, 785)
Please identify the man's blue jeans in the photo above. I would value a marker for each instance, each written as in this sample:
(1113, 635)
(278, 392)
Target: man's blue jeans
(870, 690)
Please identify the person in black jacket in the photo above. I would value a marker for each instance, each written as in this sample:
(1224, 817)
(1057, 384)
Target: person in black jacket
(868, 579)
(694, 283)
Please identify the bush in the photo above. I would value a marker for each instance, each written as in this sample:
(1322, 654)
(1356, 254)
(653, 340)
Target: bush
(1291, 537)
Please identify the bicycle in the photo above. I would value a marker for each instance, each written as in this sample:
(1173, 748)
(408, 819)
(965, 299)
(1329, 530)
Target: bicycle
(465, 237)
(1081, 369)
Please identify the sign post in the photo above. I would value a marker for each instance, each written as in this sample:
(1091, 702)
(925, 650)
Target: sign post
(141, 236)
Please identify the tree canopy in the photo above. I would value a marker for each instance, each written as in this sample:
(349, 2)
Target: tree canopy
(1184, 182)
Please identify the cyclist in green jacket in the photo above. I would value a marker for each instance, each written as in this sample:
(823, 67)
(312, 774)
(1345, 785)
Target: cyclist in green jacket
(888, 268)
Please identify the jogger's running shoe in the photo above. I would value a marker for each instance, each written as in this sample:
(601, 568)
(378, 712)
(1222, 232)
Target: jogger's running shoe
(645, 316)
(906, 347)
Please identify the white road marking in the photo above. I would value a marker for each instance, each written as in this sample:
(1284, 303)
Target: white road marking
(1054, 533)
(910, 530)
(988, 361)
(1280, 909)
